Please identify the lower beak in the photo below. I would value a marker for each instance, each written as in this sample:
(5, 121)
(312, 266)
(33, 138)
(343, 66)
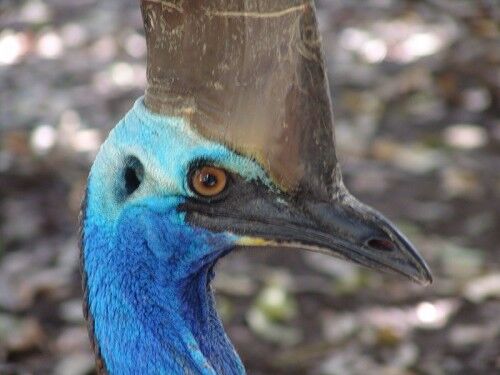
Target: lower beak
(343, 228)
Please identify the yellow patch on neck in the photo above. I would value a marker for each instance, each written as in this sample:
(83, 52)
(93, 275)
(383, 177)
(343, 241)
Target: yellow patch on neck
(254, 241)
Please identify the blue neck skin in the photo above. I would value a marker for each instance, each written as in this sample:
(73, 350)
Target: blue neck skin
(147, 270)
(153, 309)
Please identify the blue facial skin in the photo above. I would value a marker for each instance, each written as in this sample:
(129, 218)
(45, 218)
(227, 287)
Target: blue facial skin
(148, 271)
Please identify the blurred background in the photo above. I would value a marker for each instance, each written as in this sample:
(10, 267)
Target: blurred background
(416, 91)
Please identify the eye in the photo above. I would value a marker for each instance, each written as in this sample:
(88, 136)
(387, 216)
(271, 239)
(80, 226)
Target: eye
(133, 174)
(208, 181)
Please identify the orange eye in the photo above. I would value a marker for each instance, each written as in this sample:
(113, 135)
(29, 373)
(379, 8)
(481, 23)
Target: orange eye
(208, 181)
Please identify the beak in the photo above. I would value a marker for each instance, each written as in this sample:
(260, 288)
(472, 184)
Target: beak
(343, 227)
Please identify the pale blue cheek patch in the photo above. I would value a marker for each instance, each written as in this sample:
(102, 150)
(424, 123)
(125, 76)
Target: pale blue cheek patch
(166, 147)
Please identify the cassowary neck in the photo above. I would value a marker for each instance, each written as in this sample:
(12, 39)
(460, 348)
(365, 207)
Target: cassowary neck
(202, 319)
(145, 319)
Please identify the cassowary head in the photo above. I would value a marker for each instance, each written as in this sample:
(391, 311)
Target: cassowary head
(231, 146)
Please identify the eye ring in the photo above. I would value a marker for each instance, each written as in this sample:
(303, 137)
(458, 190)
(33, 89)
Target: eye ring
(208, 181)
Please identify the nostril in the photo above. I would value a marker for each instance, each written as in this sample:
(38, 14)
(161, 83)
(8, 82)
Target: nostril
(381, 244)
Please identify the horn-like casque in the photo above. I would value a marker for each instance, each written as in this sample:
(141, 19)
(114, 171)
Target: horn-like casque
(251, 75)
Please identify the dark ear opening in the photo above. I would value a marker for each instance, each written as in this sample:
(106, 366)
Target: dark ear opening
(133, 175)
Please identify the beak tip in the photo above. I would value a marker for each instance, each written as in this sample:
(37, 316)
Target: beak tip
(427, 281)
(424, 276)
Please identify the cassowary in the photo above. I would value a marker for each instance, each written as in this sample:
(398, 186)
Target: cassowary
(232, 145)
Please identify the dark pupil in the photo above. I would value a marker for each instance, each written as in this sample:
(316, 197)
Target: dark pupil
(209, 180)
